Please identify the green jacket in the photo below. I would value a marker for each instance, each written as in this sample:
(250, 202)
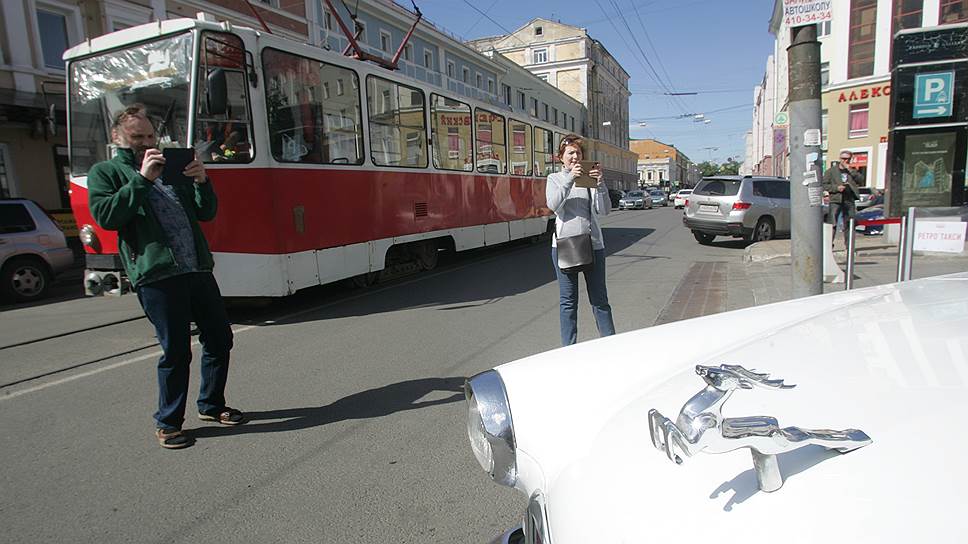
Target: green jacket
(118, 198)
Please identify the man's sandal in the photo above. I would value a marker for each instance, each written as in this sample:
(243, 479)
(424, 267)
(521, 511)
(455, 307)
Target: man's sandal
(173, 440)
(228, 416)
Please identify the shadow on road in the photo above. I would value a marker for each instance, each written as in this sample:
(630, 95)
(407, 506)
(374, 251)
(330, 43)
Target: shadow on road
(372, 403)
(486, 276)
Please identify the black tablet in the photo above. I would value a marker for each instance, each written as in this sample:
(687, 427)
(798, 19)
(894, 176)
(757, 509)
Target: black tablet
(176, 160)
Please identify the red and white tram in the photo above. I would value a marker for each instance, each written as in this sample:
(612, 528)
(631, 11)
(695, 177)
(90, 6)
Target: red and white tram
(325, 167)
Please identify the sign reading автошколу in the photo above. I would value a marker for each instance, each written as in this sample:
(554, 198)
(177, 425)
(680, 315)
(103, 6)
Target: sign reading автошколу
(806, 12)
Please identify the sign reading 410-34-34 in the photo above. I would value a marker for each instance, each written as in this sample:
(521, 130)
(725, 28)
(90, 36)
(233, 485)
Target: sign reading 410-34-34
(805, 12)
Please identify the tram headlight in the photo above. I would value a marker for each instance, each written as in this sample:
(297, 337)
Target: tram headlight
(88, 236)
(489, 427)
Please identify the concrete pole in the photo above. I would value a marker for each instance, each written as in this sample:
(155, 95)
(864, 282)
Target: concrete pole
(806, 211)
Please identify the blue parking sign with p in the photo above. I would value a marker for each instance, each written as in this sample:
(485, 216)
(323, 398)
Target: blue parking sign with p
(933, 94)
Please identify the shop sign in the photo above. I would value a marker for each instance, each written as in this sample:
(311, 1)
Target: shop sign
(933, 94)
(858, 160)
(946, 236)
(865, 93)
(806, 12)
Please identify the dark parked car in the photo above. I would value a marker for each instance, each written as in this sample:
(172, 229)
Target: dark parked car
(615, 196)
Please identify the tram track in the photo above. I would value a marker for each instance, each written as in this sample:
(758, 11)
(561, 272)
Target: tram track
(133, 335)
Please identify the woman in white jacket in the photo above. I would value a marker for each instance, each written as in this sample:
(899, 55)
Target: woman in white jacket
(575, 214)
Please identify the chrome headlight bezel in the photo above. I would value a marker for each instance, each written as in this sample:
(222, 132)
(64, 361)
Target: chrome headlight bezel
(490, 429)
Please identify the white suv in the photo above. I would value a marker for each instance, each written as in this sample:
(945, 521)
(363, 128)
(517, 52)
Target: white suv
(753, 208)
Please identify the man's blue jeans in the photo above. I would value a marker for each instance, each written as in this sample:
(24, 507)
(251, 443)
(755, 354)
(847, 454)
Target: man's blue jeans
(171, 305)
(568, 298)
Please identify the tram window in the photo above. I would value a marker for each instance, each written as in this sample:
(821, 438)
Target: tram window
(308, 123)
(223, 124)
(544, 150)
(450, 128)
(398, 134)
(519, 156)
(491, 158)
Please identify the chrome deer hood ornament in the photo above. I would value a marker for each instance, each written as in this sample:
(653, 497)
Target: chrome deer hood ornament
(701, 426)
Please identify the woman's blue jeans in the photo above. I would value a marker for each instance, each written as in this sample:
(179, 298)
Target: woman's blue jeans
(568, 298)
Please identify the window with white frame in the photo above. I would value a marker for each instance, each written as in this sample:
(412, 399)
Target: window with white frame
(824, 73)
(480, 81)
(361, 30)
(465, 75)
(539, 56)
(490, 85)
(58, 27)
(521, 101)
(408, 52)
(823, 29)
(538, 31)
(428, 59)
(385, 41)
(451, 69)
(857, 120)
(542, 77)
(327, 20)
(121, 16)
(506, 93)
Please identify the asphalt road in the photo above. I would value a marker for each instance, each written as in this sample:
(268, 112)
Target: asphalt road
(357, 429)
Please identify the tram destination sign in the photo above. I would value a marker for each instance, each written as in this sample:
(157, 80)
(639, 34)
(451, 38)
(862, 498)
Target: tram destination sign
(806, 12)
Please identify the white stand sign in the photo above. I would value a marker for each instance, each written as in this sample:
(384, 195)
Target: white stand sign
(944, 236)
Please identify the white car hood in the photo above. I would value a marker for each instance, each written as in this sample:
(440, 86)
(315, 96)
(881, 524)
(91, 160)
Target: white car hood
(888, 360)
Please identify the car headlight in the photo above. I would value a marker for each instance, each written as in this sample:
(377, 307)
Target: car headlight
(489, 427)
(88, 236)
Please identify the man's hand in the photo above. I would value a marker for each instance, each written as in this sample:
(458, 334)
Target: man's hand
(840, 188)
(196, 169)
(152, 164)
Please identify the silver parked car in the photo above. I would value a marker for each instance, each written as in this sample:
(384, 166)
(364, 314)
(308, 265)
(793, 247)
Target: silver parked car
(659, 198)
(635, 200)
(33, 250)
(753, 208)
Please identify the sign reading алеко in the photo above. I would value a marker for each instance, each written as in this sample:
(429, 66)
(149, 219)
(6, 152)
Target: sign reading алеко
(806, 12)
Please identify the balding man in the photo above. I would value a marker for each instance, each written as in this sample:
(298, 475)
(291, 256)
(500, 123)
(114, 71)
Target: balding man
(841, 184)
(167, 260)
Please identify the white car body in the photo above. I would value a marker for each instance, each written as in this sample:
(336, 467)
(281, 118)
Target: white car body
(681, 196)
(890, 360)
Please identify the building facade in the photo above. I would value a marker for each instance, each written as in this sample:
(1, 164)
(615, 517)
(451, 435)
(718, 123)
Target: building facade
(568, 58)
(663, 165)
(855, 57)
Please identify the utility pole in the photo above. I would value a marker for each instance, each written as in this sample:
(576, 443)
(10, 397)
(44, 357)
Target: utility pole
(806, 193)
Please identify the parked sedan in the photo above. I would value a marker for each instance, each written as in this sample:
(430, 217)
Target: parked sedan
(659, 198)
(635, 200)
(33, 250)
(681, 197)
(840, 434)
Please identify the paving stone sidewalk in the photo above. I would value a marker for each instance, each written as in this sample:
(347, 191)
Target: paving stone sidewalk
(765, 276)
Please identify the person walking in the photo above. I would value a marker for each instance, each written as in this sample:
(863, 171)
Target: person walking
(576, 212)
(841, 184)
(169, 265)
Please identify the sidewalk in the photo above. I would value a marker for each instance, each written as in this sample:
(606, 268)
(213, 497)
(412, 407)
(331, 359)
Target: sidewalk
(765, 276)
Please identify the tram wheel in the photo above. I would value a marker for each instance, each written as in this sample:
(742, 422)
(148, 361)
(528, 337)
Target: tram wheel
(427, 255)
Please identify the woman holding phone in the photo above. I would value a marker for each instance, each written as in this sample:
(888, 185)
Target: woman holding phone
(577, 210)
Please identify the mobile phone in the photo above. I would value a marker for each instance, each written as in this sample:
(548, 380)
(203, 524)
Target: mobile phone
(585, 179)
(176, 159)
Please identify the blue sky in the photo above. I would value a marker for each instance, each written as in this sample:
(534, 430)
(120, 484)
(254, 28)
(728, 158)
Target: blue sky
(716, 46)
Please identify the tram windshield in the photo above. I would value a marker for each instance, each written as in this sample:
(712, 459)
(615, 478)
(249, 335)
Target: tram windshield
(156, 74)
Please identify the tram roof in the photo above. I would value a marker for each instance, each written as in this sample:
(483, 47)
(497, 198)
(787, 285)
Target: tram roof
(144, 32)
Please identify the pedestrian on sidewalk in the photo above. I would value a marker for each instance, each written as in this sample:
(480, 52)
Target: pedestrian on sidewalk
(841, 184)
(576, 212)
(167, 260)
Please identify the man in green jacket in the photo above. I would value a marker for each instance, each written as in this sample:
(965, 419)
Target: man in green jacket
(167, 260)
(841, 184)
